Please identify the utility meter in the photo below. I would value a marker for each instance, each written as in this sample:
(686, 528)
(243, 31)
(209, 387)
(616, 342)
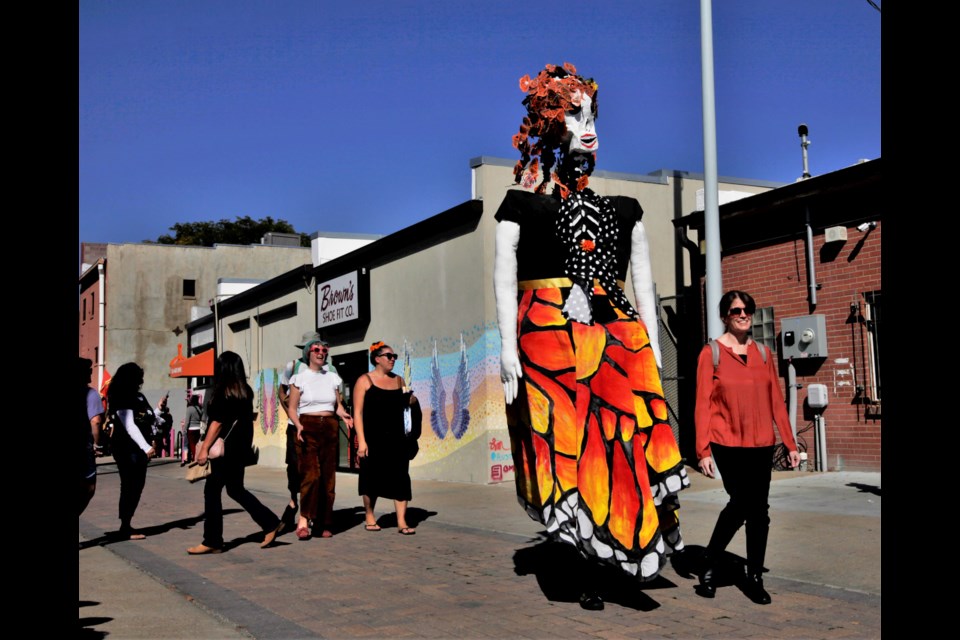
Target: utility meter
(804, 337)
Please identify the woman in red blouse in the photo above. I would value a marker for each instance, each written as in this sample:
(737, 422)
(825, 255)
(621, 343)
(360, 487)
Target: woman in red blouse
(738, 403)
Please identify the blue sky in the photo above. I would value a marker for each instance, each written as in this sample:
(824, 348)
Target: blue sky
(362, 117)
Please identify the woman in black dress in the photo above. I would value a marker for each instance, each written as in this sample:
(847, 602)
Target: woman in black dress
(380, 398)
(134, 423)
(231, 418)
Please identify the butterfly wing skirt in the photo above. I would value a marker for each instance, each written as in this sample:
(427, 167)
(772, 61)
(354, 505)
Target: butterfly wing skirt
(595, 458)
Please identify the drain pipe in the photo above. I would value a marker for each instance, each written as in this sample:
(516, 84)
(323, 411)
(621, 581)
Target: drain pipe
(820, 430)
(792, 387)
(101, 329)
(811, 268)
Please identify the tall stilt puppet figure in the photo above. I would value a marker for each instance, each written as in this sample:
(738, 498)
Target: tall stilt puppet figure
(596, 461)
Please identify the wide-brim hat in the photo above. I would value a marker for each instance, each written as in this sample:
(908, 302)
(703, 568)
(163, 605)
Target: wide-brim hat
(309, 338)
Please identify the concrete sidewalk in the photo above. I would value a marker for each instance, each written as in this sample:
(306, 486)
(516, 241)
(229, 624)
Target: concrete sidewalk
(477, 567)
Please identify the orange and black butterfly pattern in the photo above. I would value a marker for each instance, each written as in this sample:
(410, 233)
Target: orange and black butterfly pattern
(595, 458)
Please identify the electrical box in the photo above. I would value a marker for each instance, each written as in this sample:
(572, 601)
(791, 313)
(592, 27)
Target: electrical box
(834, 234)
(804, 337)
(817, 396)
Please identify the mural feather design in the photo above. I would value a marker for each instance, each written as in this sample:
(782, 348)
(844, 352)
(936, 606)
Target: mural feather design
(438, 398)
(461, 397)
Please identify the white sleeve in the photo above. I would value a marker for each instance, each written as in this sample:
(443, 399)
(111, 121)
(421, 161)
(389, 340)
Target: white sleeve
(126, 416)
(287, 374)
(641, 273)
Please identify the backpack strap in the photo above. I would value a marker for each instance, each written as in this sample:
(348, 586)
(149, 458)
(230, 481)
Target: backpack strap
(715, 350)
(763, 351)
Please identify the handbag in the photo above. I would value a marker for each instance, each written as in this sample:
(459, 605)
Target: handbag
(197, 471)
(219, 448)
(415, 415)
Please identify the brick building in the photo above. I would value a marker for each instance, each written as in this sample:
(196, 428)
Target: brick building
(825, 230)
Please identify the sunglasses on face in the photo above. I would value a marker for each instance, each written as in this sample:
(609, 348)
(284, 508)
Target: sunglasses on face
(389, 356)
(318, 349)
(737, 311)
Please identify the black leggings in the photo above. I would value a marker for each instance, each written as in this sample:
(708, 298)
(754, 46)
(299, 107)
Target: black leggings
(132, 468)
(746, 479)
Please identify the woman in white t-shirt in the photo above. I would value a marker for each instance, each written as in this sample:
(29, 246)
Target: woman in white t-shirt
(313, 407)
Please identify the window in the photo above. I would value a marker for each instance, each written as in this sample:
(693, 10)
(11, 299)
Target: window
(83, 313)
(189, 288)
(764, 331)
(872, 317)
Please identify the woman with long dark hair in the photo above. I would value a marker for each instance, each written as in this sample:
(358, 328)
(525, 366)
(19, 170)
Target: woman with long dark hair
(134, 424)
(231, 417)
(738, 402)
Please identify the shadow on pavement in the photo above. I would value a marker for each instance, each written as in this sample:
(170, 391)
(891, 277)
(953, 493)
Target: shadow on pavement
(557, 565)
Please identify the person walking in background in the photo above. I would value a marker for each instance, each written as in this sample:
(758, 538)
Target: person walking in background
(134, 425)
(738, 402)
(161, 440)
(88, 433)
(313, 406)
(380, 398)
(231, 417)
(192, 423)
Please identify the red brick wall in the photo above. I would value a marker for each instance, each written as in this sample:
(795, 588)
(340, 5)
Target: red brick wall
(777, 276)
(89, 319)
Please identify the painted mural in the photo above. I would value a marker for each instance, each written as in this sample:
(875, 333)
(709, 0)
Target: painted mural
(456, 378)
(266, 385)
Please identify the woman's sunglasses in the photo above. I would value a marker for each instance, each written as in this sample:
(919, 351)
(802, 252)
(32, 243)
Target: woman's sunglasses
(737, 311)
(389, 356)
(318, 349)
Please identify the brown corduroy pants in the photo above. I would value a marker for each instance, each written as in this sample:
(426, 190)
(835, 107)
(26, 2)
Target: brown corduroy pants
(317, 461)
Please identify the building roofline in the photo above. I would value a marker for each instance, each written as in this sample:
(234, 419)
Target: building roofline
(445, 225)
(660, 176)
(340, 235)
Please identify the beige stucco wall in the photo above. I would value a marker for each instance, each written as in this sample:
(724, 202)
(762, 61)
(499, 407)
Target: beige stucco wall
(145, 301)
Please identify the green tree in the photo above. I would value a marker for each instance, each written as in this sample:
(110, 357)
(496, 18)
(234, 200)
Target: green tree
(243, 230)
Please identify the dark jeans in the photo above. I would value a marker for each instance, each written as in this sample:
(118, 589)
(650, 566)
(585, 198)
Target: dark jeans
(193, 438)
(132, 468)
(293, 468)
(224, 473)
(318, 467)
(746, 479)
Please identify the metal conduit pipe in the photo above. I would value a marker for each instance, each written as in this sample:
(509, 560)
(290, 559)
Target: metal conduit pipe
(811, 268)
(821, 441)
(792, 387)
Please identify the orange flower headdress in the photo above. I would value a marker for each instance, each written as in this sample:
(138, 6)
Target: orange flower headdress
(376, 345)
(553, 92)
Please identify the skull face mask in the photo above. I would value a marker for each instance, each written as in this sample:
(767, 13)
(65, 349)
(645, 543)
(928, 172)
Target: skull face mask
(581, 126)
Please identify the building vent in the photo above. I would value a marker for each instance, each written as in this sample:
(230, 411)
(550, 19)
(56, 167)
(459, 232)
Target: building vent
(276, 239)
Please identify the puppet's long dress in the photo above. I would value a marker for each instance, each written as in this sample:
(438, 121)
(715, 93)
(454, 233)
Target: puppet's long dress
(595, 458)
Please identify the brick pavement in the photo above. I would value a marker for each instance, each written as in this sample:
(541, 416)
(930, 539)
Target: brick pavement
(476, 568)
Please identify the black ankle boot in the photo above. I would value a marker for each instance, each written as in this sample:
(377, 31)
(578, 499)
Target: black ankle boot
(590, 600)
(753, 588)
(707, 587)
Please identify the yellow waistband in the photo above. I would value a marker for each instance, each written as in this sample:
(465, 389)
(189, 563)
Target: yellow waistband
(555, 283)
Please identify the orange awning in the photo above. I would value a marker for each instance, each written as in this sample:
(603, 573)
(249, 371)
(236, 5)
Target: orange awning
(198, 365)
